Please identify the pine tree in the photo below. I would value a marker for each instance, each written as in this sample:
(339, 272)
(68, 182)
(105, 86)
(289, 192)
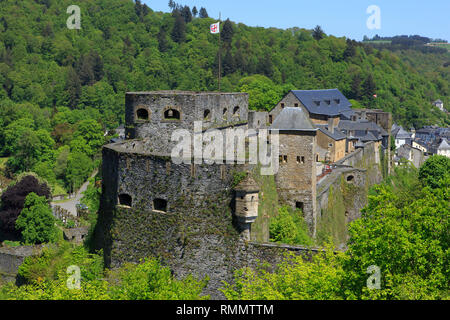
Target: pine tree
(186, 14)
(97, 65)
(162, 40)
(172, 5)
(356, 87)
(73, 88)
(203, 13)
(318, 33)
(228, 63)
(369, 87)
(227, 33)
(85, 70)
(179, 29)
(350, 50)
(194, 11)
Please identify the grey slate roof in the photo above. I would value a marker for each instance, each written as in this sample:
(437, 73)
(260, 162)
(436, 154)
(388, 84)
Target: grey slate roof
(347, 114)
(402, 134)
(336, 135)
(369, 137)
(315, 101)
(361, 125)
(291, 118)
(444, 145)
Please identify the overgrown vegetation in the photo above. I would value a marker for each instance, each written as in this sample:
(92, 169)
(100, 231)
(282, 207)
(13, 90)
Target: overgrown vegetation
(403, 231)
(289, 227)
(45, 277)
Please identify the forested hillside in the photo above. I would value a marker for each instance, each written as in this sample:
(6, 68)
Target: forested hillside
(61, 88)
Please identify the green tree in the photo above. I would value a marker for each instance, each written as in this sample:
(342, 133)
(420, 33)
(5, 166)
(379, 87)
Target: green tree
(36, 221)
(79, 166)
(179, 29)
(409, 242)
(203, 13)
(227, 33)
(435, 171)
(318, 33)
(88, 137)
(369, 87)
(289, 227)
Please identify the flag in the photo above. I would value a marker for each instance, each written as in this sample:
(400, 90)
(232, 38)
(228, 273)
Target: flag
(215, 28)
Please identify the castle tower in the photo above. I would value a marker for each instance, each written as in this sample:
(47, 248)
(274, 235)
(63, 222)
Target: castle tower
(155, 115)
(246, 200)
(296, 178)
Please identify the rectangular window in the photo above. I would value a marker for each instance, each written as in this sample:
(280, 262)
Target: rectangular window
(303, 160)
(296, 105)
(285, 159)
(282, 106)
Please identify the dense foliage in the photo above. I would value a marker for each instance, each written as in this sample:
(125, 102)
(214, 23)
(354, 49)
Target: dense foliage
(45, 277)
(36, 221)
(289, 226)
(14, 197)
(404, 231)
(61, 88)
(435, 171)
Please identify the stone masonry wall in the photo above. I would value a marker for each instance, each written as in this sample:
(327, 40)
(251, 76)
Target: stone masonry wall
(191, 106)
(296, 180)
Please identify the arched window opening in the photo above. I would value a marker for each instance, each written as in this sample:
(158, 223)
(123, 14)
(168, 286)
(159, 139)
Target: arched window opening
(350, 178)
(125, 200)
(236, 111)
(224, 113)
(142, 114)
(160, 205)
(207, 114)
(299, 205)
(172, 114)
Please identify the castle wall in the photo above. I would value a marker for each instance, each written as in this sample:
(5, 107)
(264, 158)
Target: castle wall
(258, 120)
(12, 258)
(190, 106)
(340, 197)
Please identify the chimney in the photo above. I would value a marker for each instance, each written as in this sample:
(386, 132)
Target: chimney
(331, 125)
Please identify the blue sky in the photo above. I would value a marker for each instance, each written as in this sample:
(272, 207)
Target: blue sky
(337, 17)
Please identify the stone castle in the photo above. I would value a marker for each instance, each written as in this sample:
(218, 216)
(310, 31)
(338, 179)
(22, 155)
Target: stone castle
(210, 219)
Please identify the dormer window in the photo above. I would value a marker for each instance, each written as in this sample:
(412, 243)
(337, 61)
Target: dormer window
(328, 102)
(317, 102)
(337, 101)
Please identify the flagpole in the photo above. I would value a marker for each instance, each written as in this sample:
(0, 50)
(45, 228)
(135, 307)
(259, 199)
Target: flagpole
(220, 56)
